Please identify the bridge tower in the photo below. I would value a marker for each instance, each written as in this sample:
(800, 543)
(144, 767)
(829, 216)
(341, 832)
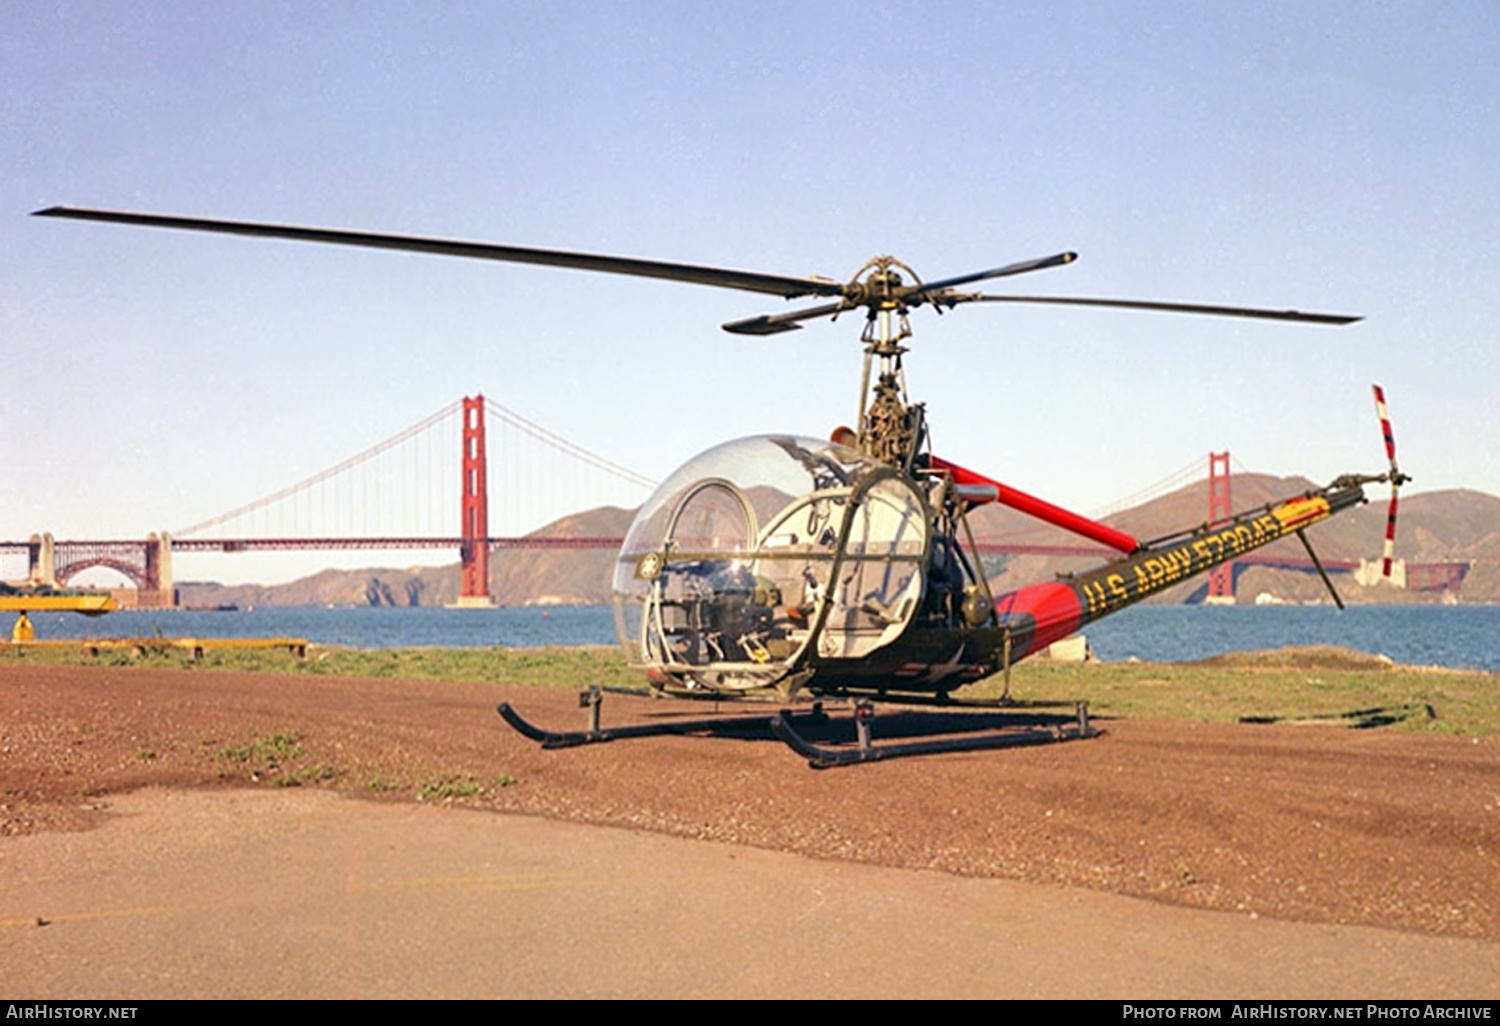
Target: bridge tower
(1221, 577)
(157, 589)
(42, 561)
(474, 579)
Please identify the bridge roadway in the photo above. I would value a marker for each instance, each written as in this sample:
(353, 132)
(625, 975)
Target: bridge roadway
(985, 546)
(107, 552)
(147, 563)
(308, 544)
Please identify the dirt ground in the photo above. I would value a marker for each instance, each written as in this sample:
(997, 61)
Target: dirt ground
(1310, 824)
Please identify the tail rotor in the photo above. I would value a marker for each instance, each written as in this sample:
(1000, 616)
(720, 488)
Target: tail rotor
(1395, 477)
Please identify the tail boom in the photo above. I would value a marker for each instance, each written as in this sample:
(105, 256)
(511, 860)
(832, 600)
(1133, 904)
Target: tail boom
(1043, 613)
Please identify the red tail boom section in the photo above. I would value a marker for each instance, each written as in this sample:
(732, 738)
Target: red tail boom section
(1041, 508)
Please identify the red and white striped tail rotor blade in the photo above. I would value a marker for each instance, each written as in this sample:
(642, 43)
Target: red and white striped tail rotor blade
(1385, 425)
(1390, 452)
(1390, 534)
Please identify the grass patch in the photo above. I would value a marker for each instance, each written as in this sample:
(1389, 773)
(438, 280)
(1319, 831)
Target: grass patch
(316, 773)
(1464, 703)
(1290, 684)
(461, 786)
(273, 749)
(546, 667)
(569, 666)
(276, 758)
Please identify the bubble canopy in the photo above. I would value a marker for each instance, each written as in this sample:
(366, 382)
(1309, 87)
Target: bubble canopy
(765, 548)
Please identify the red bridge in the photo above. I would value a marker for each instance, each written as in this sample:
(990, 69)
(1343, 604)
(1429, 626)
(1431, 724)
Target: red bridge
(352, 501)
(376, 499)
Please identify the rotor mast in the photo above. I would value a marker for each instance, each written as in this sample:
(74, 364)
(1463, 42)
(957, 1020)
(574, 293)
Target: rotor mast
(890, 427)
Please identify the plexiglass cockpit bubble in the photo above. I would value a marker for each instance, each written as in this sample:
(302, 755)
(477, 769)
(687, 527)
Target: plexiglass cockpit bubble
(757, 546)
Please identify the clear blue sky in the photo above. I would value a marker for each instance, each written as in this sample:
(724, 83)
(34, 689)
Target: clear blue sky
(1327, 156)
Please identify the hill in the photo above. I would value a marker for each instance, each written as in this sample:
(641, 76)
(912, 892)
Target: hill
(518, 577)
(1456, 525)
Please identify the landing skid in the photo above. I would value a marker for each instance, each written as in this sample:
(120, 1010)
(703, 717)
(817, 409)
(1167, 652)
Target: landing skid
(820, 757)
(592, 700)
(791, 728)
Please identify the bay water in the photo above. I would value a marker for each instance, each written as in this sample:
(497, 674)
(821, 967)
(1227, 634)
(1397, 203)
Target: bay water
(1463, 637)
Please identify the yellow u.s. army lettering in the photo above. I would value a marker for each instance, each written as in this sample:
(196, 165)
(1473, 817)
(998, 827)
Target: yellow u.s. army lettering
(1118, 585)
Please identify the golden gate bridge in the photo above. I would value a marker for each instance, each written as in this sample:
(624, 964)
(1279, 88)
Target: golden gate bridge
(400, 494)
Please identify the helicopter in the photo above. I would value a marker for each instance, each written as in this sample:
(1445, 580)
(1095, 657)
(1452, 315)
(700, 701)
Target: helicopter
(785, 567)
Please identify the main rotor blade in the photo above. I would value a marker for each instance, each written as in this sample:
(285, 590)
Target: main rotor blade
(1133, 304)
(1000, 272)
(749, 281)
(774, 324)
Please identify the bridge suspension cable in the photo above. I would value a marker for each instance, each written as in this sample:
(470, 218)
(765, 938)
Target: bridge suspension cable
(564, 446)
(408, 486)
(332, 472)
(1183, 475)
